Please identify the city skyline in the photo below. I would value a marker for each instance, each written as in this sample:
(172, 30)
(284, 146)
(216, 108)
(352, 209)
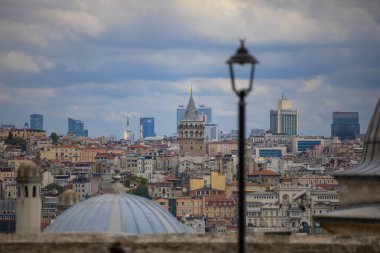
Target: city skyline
(103, 62)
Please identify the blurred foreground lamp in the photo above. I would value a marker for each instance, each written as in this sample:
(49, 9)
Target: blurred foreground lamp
(243, 59)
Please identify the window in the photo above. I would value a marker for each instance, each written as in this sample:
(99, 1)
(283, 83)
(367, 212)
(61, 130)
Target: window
(26, 191)
(34, 191)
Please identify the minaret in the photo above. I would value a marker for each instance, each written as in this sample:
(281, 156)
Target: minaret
(28, 205)
(127, 132)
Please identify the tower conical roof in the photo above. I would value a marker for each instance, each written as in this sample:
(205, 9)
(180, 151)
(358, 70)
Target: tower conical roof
(191, 111)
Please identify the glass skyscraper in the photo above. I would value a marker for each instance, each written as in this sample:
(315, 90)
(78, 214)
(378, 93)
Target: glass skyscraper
(77, 127)
(37, 121)
(345, 125)
(180, 114)
(147, 126)
(205, 113)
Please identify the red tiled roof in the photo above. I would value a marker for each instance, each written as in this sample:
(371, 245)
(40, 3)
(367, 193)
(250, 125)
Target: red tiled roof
(138, 146)
(235, 183)
(263, 173)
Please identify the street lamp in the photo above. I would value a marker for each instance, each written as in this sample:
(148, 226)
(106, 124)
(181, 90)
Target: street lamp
(242, 57)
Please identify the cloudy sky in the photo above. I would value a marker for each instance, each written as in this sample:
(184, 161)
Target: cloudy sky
(101, 61)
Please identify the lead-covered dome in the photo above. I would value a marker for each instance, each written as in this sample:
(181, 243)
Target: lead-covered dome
(117, 213)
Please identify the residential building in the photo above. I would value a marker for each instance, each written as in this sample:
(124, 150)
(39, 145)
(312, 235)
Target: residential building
(211, 131)
(37, 121)
(222, 147)
(82, 186)
(22, 133)
(284, 119)
(7, 216)
(190, 206)
(147, 125)
(257, 132)
(345, 125)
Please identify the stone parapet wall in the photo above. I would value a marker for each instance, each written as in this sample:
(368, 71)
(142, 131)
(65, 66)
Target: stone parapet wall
(88, 243)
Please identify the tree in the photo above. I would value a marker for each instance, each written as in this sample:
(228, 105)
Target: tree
(54, 186)
(54, 136)
(15, 141)
(9, 140)
(142, 190)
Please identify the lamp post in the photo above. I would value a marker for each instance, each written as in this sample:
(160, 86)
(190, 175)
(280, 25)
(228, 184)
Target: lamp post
(242, 57)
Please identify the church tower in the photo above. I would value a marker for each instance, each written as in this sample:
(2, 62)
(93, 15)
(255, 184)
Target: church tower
(191, 132)
(28, 205)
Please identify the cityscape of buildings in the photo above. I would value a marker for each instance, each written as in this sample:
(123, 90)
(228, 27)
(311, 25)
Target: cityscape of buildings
(192, 174)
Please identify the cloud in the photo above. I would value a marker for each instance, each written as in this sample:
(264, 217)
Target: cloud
(312, 85)
(104, 60)
(20, 62)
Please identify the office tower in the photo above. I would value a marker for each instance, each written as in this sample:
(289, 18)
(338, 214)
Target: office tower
(147, 127)
(26, 125)
(345, 125)
(211, 132)
(37, 121)
(285, 119)
(180, 113)
(205, 113)
(76, 127)
(191, 133)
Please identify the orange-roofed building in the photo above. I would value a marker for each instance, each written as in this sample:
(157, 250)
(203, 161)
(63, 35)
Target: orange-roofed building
(89, 154)
(190, 206)
(222, 147)
(267, 178)
(220, 207)
(232, 188)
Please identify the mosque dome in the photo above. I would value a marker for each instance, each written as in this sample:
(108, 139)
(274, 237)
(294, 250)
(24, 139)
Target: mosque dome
(28, 171)
(117, 213)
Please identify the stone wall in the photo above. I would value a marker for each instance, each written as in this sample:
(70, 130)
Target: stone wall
(89, 243)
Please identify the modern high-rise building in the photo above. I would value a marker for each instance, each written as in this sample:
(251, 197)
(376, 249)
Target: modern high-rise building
(37, 121)
(147, 125)
(77, 127)
(284, 119)
(345, 125)
(181, 110)
(205, 113)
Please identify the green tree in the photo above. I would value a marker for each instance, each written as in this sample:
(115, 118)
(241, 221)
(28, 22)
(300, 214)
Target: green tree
(142, 190)
(54, 186)
(54, 136)
(9, 140)
(15, 141)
